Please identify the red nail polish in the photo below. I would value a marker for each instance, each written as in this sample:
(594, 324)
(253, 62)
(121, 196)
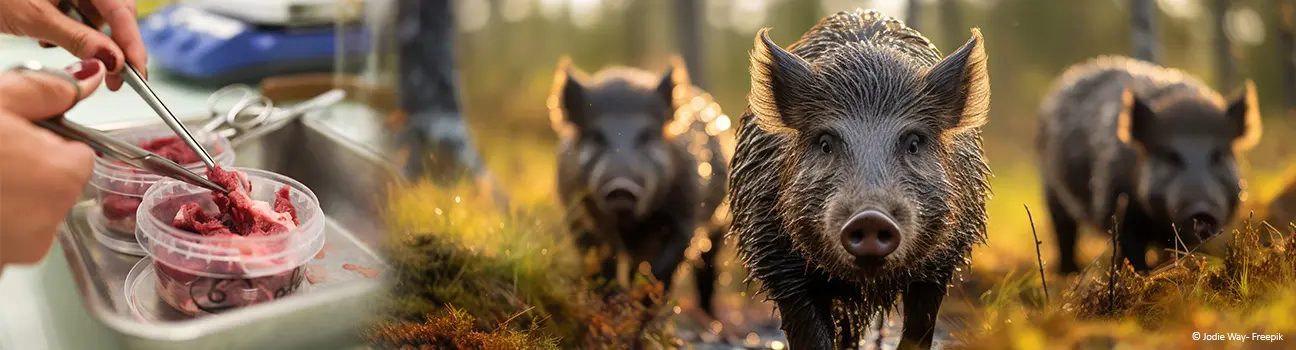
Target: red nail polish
(109, 61)
(84, 69)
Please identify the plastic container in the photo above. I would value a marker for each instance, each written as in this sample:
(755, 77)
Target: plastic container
(120, 187)
(200, 274)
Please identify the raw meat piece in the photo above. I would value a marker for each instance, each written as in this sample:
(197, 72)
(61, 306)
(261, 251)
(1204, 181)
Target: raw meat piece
(172, 148)
(191, 217)
(116, 206)
(239, 213)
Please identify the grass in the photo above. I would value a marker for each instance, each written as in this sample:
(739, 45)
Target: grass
(474, 275)
(1248, 290)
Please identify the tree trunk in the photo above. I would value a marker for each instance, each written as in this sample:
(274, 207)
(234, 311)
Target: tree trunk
(434, 131)
(688, 17)
(1143, 30)
(1287, 52)
(913, 15)
(635, 33)
(953, 31)
(1223, 48)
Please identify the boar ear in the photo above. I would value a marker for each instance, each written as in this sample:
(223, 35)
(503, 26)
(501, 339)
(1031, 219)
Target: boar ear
(961, 84)
(673, 83)
(567, 101)
(1244, 113)
(777, 77)
(1135, 121)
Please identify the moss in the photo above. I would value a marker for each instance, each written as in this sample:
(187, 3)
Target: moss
(454, 328)
(492, 276)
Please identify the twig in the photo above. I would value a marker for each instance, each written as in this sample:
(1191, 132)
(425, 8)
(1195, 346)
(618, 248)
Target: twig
(1121, 204)
(515, 316)
(1038, 257)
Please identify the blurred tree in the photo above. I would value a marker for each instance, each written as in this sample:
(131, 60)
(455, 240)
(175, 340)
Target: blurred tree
(635, 33)
(1143, 30)
(1224, 69)
(688, 20)
(1287, 52)
(913, 14)
(951, 18)
(434, 130)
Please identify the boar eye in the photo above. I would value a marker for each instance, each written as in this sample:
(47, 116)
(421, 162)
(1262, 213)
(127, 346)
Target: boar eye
(826, 143)
(644, 137)
(914, 143)
(1174, 159)
(1217, 157)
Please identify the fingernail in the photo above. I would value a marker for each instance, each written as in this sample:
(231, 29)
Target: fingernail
(84, 69)
(109, 61)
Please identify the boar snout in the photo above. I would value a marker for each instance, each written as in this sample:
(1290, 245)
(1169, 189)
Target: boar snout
(1202, 221)
(621, 195)
(870, 236)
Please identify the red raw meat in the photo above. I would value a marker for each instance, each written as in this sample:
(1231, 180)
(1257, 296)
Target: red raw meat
(239, 213)
(172, 148)
(116, 206)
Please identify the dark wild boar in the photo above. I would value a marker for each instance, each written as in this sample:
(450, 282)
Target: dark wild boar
(859, 175)
(1116, 127)
(640, 160)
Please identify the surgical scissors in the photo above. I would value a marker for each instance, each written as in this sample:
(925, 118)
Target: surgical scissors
(253, 114)
(126, 152)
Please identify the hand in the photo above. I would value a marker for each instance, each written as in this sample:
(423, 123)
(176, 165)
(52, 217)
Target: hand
(41, 19)
(41, 174)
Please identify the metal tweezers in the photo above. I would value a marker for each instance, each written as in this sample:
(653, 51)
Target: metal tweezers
(132, 77)
(126, 152)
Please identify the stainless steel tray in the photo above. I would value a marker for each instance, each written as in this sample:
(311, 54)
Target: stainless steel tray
(349, 178)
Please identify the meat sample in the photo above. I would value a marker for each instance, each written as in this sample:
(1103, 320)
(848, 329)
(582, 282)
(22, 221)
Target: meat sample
(119, 206)
(172, 148)
(239, 213)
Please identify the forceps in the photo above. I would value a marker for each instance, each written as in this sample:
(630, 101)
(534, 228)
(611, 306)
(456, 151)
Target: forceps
(126, 152)
(132, 78)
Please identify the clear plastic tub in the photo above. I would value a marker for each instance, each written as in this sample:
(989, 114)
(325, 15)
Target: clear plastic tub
(120, 187)
(206, 274)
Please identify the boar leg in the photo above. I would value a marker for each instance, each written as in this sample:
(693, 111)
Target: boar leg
(677, 240)
(587, 242)
(922, 302)
(705, 274)
(1064, 228)
(1134, 249)
(1133, 239)
(806, 321)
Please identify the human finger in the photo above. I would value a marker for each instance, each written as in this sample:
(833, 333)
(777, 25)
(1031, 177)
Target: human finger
(120, 17)
(52, 26)
(36, 93)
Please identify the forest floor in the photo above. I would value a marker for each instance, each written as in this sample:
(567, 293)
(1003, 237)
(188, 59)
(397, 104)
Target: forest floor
(512, 278)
